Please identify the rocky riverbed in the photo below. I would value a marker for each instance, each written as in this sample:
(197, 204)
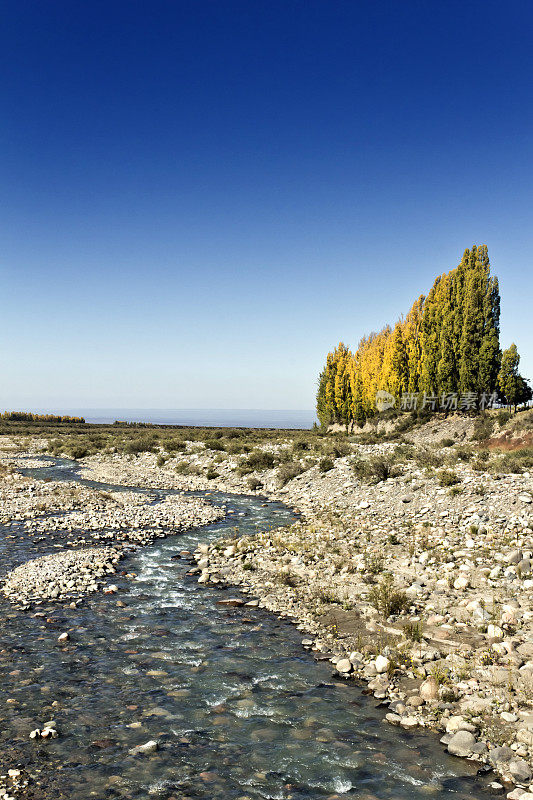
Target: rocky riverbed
(61, 575)
(419, 583)
(72, 518)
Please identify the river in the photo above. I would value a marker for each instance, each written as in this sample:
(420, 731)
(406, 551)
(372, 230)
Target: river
(239, 709)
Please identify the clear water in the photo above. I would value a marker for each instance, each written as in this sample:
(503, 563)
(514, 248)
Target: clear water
(238, 708)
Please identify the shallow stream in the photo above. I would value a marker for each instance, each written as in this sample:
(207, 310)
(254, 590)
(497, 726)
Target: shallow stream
(238, 708)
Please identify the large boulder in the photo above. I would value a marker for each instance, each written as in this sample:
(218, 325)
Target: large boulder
(461, 744)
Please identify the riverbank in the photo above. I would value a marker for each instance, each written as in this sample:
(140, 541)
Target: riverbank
(447, 642)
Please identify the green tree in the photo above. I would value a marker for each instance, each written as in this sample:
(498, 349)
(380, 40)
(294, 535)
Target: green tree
(449, 342)
(446, 368)
(513, 387)
(430, 332)
(322, 410)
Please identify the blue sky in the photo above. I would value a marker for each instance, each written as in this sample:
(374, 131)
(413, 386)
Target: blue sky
(200, 199)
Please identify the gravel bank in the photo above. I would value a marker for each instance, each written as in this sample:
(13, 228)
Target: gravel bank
(61, 575)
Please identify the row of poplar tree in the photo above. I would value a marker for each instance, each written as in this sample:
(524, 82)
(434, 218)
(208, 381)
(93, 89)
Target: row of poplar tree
(448, 344)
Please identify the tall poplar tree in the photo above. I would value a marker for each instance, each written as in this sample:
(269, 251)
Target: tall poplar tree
(448, 343)
(513, 387)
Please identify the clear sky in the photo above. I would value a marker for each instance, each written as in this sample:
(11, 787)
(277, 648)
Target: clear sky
(200, 199)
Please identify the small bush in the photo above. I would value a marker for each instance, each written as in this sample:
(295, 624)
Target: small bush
(413, 631)
(503, 417)
(78, 452)
(340, 449)
(254, 484)
(446, 443)
(259, 460)
(464, 453)
(483, 427)
(184, 468)
(287, 579)
(140, 446)
(383, 468)
(374, 563)
(234, 448)
(387, 599)
(211, 474)
(515, 462)
(325, 464)
(173, 445)
(440, 673)
(160, 460)
(286, 472)
(448, 478)
(214, 444)
(428, 458)
(300, 445)
(376, 469)
(403, 452)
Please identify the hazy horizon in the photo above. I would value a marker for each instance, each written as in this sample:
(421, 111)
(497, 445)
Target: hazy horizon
(201, 417)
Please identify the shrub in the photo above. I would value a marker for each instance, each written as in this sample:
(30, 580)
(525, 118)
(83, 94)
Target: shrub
(143, 445)
(440, 673)
(383, 468)
(448, 478)
(413, 631)
(300, 445)
(259, 459)
(515, 462)
(173, 445)
(359, 466)
(403, 452)
(254, 484)
(387, 599)
(503, 417)
(78, 452)
(232, 433)
(483, 427)
(287, 579)
(234, 448)
(340, 449)
(377, 469)
(243, 469)
(374, 563)
(286, 472)
(464, 453)
(446, 442)
(327, 596)
(184, 468)
(160, 460)
(428, 458)
(325, 464)
(214, 444)
(211, 474)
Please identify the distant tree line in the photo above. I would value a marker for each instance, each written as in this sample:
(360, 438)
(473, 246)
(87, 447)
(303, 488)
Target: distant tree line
(27, 416)
(447, 349)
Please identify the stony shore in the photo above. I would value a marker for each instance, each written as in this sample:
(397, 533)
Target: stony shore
(458, 658)
(419, 583)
